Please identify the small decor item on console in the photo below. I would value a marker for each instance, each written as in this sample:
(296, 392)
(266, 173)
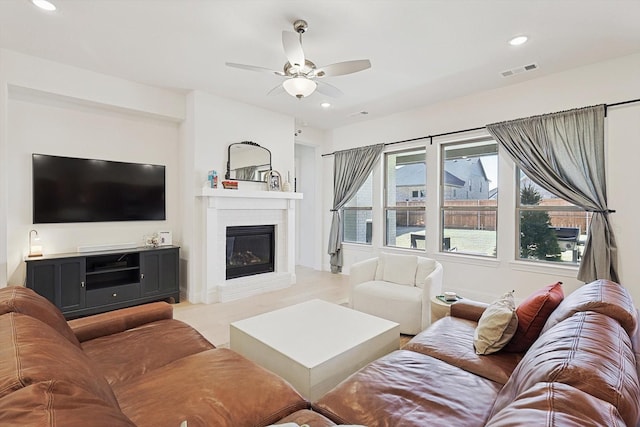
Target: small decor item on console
(230, 185)
(34, 249)
(152, 240)
(164, 238)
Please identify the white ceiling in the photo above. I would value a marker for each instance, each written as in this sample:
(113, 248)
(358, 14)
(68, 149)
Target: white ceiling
(422, 51)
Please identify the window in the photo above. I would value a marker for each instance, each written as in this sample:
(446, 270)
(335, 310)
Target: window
(356, 215)
(468, 216)
(405, 197)
(549, 228)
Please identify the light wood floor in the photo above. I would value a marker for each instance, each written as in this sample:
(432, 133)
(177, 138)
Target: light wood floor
(212, 320)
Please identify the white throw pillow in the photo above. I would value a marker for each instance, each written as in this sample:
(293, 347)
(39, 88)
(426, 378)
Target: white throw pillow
(400, 269)
(496, 326)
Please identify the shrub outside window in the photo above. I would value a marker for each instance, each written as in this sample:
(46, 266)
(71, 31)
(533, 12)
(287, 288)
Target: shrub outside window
(469, 197)
(550, 229)
(356, 215)
(405, 198)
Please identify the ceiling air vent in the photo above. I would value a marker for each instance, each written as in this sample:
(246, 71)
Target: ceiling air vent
(518, 70)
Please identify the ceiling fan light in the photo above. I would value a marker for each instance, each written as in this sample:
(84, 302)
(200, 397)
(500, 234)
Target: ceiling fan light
(299, 86)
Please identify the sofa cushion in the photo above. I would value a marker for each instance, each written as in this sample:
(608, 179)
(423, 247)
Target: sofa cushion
(33, 352)
(143, 349)
(405, 388)
(602, 296)
(57, 403)
(533, 313)
(557, 404)
(397, 268)
(18, 299)
(212, 388)
(496, 326)
(589, 351)
(450, 339)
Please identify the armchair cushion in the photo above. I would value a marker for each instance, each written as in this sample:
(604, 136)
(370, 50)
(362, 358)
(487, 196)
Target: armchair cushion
(398, 269)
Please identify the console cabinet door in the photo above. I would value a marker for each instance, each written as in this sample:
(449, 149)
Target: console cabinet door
(159, 272)
(60, 281)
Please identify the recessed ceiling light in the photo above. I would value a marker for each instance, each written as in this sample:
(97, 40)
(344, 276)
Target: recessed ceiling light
(325, 105)
(518, 40)
(44, 5)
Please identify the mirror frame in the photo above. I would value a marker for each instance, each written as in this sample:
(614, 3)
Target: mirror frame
(251, 143)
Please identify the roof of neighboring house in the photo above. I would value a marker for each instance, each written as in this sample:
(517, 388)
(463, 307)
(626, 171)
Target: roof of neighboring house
(463, 167)
(413, 174)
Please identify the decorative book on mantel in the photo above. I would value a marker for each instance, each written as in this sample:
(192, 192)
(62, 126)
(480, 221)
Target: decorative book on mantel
(230, 185)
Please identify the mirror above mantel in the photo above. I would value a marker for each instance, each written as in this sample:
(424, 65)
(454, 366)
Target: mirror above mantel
(247, 161)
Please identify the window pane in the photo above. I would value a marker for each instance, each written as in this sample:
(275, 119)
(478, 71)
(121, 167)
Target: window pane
(364, 197)
(405, 198)
(470, 232)
(469, 197)
(550, 228)
(357, 226)
(471, 174)
(531, 194)
(405, 178)
(356, 215)
(557, 236)
(405, 228)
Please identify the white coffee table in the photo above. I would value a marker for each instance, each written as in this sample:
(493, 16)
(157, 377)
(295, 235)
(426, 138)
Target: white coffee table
(314, 345)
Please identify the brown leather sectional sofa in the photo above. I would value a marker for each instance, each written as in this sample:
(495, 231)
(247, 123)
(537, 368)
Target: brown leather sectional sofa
(138, 366)
(581, 371)
(131, 367)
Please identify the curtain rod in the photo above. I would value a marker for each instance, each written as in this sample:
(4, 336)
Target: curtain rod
(430, 137)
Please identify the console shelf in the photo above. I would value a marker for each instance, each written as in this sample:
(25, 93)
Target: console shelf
(84, 284)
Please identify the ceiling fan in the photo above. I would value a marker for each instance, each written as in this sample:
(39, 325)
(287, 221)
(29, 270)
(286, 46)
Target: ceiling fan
(302, 75)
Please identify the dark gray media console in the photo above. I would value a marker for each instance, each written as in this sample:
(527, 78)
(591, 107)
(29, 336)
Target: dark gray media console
(82, 284)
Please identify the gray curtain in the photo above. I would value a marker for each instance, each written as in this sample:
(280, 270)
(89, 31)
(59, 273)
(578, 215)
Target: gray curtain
(564, 154)
(350, 170)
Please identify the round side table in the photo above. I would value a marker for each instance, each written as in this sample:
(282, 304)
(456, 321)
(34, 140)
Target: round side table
(439, 309)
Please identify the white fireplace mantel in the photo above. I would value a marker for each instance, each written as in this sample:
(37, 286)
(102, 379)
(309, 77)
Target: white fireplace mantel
(224, 208)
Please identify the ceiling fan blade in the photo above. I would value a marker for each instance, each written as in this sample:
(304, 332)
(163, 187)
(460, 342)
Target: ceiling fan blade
(276, 90)
(342, 68)
(254, 68)
(329, 90)
(293, 48)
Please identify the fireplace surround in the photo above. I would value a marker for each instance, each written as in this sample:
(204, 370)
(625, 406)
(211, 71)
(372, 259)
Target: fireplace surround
(239, 208)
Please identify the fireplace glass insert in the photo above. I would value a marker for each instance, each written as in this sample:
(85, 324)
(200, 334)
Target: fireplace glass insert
(250, 250)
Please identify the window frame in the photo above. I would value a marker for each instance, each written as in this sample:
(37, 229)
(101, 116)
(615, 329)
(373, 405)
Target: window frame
(346, 208)
(519, 209)
(444, 209)
(405, 209)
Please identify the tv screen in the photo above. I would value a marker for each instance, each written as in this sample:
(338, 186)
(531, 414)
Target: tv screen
(68, 189)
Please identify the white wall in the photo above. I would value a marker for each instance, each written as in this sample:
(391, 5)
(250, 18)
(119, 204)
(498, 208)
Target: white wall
(54, 108)
(605, 82)
(57, 109)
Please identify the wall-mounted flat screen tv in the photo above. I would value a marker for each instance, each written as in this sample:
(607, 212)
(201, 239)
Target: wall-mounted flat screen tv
(69, 189)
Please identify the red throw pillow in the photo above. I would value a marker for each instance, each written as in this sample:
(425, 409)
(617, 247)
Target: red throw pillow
(532, 315)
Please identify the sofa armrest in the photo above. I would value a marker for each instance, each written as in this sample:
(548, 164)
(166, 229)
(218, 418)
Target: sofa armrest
(112, 322)
(468, 309)
(431, 287)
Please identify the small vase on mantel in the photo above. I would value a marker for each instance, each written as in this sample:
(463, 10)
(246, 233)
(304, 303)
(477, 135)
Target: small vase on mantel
(286, 186)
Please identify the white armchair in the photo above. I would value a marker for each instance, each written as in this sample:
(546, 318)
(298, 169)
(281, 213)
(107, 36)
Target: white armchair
(398, 288)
